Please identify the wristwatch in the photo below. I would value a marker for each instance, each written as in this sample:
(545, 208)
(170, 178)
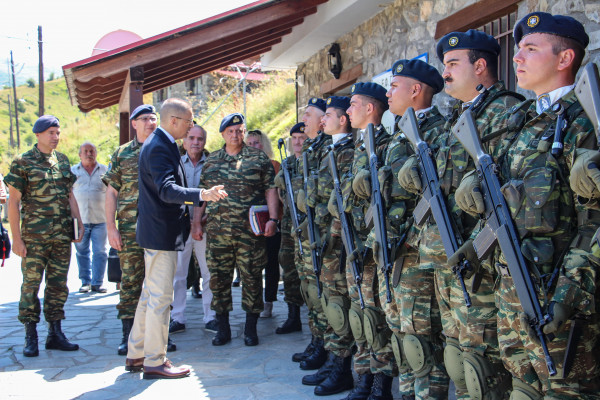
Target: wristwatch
(274, 220)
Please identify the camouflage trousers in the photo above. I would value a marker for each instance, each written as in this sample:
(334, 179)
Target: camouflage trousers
(53, 258)
(414, 311)
(524, 357)
(239, 249)
(291, 280)
(338, 341)
(475, 327)
(317, 321)
(378, 356)
(131, 259)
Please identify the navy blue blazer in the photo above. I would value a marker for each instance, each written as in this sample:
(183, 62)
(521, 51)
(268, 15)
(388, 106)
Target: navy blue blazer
(163, 221)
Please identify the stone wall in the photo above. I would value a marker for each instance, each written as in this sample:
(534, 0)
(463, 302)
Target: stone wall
(405, 29)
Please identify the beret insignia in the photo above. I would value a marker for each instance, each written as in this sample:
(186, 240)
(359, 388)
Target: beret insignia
(236, 120)
(533, 21)
(329, 101)
(453, 41)
(399, 68)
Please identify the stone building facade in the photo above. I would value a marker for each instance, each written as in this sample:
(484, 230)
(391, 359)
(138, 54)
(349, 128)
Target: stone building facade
(406, 29)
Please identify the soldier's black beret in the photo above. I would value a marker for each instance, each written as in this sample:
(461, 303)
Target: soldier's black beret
(469, 40)
(341, 102)
(230, 120)
(560, 25)
(371, 89)
(141, 110)
(298, 128)
(317, 102)
(420, 71)
(44, 122)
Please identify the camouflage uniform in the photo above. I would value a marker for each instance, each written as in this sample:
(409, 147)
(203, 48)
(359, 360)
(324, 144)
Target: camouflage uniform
(555, 238)
(287, 253)
(45, 182)
(470, 330)
(122, 175)
(416, 315)
(230, 241)
(375, 357)
(335, 288)
(317, 321)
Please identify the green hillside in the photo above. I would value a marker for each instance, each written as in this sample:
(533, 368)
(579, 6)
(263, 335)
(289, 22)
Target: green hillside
(270, 107)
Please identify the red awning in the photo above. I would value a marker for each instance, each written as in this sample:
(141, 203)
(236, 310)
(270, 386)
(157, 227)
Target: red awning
(184, 53)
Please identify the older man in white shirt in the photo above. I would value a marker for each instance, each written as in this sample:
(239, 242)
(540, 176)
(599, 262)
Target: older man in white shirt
(90, 193)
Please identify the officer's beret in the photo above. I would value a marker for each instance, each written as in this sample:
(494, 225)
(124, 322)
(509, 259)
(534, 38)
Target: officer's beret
(141, 110)
(44, 122)
(341, 102)
(371, 89)
(317, 102)
(420, 71)
(561, 25)
(469, 40)
(230, 120)
(298, 128)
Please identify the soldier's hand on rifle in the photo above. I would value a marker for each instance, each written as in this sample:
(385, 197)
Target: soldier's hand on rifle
(303, 228)
(279, 180)
(466, 252)
(468, 195)
(526, 326)
(560, 314)
(332, 206)
(585, 174)
(408, 176)
(361, 185)
(301, 200)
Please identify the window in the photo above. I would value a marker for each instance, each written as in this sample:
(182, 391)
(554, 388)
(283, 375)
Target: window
(501, 29)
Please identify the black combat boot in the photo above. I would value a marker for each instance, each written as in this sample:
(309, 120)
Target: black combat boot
(57, 340)
(362, 389)
(127, 325)
(31, 340)
(322, 374)
(317, 358)
(292, 323)
(298, 357)
(382, 387)
(339, 379)
(223, 335)
(250, 335)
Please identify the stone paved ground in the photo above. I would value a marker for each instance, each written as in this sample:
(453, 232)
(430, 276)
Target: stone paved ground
(233, 371)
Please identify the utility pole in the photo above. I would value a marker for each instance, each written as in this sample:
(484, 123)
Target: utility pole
(14, 84)
(41, 76)
(12, 140)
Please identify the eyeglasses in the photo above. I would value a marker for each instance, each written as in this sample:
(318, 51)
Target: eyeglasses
(189, 121)
(147, 119)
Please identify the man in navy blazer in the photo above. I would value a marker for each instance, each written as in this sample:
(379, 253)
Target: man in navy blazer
(163, 226)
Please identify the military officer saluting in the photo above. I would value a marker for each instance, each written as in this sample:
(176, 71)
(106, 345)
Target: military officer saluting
(555, 232)
(41, 181)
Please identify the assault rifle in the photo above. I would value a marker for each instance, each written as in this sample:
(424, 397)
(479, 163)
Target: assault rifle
(587, 91)
(347, 230)
(379, 215)
(432, 201)
(500, 229)
(289, 195)
(313, 237)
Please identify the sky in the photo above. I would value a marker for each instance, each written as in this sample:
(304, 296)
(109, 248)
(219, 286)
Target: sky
(71, 28)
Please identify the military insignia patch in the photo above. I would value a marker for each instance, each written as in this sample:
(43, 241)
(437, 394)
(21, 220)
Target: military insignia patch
(329, 101)
(453, 41)
(236, 120)
(533, 21)
(399, 68)
(353, 88)
(301, 129)
(313, 100)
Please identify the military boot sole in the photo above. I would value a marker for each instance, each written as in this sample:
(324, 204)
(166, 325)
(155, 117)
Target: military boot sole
(321, 390)
(282, 330)
(56, 346)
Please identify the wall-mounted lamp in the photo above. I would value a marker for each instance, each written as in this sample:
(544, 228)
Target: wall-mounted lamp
(334, 59)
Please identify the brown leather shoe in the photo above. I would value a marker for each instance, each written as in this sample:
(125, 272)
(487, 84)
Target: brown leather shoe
(134, 364)
(165, 371)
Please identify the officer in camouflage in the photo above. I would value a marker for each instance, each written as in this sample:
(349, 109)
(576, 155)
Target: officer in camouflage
(417, 325)
(315, 355)
(335, 375)
(287, 253)
(248, 175)
(41, 181)
(371, 332)
(557, 233)
(121, 180)
(471, 354)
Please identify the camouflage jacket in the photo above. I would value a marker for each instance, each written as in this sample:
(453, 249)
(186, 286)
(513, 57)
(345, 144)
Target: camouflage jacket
(316, 149)
(553, 228)
(246, 177)
(122, 175)
(45, 182)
